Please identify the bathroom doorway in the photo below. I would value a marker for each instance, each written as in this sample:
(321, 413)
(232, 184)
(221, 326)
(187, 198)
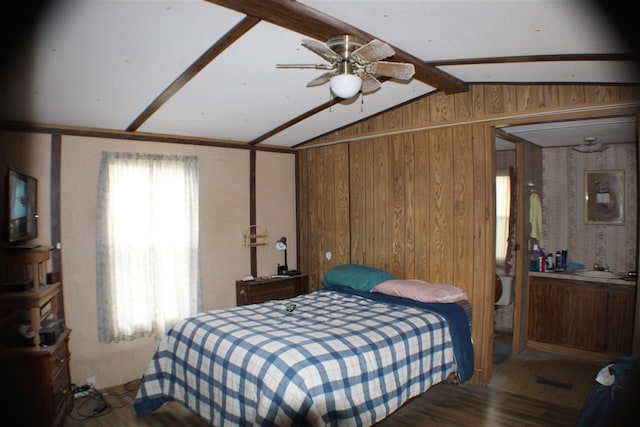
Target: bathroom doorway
(556, 137)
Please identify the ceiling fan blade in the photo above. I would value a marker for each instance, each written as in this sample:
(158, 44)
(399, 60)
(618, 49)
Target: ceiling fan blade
(396, 70)
(372, 51)
(322, 79)
(369, 84)
(321, 49)
(309, 66)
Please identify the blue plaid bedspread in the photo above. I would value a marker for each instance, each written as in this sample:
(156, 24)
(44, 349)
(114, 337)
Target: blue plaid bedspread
(336, 359)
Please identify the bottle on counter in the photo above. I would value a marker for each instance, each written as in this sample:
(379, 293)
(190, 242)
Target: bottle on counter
(558, 265)
(542, 261)
(534, 258)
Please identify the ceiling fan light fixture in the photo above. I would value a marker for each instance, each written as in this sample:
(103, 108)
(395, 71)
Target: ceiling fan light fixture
(591, 145)
(591, 148)
(345, 84)
(353, 65)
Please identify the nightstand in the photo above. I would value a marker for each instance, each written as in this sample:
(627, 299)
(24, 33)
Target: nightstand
(261, 290)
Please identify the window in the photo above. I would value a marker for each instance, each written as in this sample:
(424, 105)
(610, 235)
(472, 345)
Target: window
(503, 203)
(148, 274)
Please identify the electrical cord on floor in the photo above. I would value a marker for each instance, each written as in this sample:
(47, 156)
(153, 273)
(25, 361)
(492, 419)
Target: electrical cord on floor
(91, 403)
(130, 390)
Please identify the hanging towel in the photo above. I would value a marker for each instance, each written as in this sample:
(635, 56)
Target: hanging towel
(535, 218)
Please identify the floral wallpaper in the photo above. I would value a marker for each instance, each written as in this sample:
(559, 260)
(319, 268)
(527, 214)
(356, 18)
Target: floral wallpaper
(563, 207)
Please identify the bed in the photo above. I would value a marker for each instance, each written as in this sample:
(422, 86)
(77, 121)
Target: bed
(336, 356)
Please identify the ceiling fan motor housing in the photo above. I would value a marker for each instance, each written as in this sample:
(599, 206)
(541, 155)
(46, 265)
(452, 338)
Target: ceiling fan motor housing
(345, 45)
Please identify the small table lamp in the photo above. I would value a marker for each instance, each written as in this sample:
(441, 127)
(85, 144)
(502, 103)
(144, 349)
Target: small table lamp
(281, 245)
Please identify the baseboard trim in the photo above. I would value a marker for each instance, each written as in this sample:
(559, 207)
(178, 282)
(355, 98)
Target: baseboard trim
(593, 356)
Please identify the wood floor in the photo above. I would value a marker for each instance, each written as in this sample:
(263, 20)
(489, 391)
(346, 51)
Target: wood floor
(443, 405)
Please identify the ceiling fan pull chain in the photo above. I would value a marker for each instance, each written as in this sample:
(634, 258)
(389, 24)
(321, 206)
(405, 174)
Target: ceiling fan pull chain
(361, 102)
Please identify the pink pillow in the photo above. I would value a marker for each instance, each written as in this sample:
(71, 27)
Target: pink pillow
(421, 291)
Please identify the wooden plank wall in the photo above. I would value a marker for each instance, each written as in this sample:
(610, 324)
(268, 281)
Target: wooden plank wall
(421, 204)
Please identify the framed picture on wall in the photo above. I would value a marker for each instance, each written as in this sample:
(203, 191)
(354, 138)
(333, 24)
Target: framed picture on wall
(604, 196)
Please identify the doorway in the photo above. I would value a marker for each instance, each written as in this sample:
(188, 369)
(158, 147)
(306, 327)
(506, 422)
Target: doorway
(564, 166)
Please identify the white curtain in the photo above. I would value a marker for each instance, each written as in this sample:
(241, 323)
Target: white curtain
(148, 273)
(503, 203)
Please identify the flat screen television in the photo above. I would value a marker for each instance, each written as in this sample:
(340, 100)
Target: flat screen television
(22, 204)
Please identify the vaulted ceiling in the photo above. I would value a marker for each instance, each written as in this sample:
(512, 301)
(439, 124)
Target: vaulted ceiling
(207, 69)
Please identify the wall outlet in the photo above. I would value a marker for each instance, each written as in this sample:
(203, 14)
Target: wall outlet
(91, 381)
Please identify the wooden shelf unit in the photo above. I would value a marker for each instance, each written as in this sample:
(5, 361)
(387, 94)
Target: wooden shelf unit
(40, 391)
(17, 264)
(17, 259)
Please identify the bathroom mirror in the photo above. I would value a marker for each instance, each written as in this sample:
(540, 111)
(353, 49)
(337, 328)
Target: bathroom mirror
(604, 197)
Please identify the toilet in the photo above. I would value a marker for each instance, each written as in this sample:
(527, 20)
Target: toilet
(506, 284)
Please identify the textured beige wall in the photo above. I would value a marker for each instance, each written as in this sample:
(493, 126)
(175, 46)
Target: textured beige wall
(276, 209)
(224, 216)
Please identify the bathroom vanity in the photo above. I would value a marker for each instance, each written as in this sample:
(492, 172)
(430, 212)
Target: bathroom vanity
(586, 316)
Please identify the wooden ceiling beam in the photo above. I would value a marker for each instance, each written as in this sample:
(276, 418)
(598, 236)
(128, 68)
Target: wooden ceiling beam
(296, 120)
(535, 58)
(320, 26)
(209, 55)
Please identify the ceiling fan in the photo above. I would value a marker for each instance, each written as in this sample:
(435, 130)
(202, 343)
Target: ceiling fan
(591, 145)
(353, 64)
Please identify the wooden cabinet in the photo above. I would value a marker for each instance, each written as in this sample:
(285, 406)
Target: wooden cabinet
(34, 371)
(545, 311)
(584, 320)
(620, 317)
(584, 315)
(257, 291)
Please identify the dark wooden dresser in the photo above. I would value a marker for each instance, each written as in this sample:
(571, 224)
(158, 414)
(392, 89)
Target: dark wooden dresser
(34, 371)
(275, 288)
(36, 384)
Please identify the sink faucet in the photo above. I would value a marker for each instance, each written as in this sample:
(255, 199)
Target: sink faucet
(601, 267)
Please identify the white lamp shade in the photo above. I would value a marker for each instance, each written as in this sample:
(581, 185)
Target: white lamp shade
(345, 85)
